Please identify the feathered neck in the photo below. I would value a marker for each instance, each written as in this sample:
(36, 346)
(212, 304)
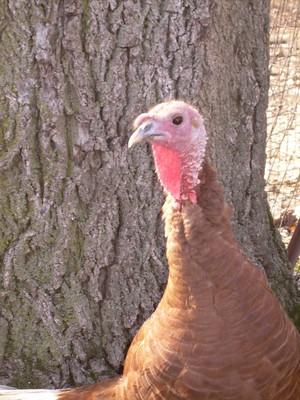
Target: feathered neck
(178, 171)
(208, 222)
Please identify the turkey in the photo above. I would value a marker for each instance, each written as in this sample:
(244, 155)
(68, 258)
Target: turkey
(218, 333)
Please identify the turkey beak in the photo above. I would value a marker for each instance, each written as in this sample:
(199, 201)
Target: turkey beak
(146, 131)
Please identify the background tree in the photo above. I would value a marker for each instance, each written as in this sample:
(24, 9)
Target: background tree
(82, 244)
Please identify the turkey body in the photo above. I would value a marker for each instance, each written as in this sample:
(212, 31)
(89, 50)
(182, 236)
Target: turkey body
(218, 333)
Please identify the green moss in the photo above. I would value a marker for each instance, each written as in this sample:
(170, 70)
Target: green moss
(296, 315)
(25, 381)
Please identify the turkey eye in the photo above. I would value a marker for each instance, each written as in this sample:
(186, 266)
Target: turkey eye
(177, 120)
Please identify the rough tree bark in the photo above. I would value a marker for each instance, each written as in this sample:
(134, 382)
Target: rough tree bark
(82, 245)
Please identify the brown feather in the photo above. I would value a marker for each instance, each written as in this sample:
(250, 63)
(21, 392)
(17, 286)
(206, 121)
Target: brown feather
(105, 390)
(218, 332)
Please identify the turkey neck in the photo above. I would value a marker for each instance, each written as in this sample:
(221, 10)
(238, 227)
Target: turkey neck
(202, 253)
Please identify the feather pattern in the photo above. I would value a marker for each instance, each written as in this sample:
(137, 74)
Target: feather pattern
(218, 332)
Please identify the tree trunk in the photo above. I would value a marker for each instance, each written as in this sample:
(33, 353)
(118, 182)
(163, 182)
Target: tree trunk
(82, 245)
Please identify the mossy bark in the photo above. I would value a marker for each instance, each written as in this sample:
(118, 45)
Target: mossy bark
(82, 245)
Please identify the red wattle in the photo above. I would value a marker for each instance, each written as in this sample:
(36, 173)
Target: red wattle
(169, 169)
